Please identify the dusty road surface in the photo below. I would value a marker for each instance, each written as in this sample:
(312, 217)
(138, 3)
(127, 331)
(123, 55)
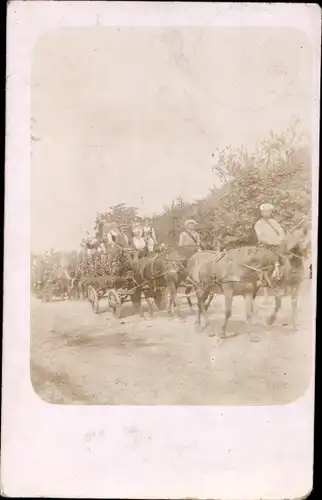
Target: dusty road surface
(78, 357)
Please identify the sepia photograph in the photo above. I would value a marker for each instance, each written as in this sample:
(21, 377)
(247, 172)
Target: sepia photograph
(171, 209)
(161, 241)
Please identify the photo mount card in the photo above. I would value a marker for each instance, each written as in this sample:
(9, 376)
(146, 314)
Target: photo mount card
(161, 215)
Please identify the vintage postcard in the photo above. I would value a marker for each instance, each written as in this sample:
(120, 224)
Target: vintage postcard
(161, 210)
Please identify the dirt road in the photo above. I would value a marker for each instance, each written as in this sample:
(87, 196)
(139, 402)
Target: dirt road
(78, 357)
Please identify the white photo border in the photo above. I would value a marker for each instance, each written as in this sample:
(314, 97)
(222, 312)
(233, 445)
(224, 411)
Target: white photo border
(86, 451)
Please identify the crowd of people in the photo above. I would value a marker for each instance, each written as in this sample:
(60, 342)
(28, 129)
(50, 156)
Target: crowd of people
(94, 258)
(143, 239)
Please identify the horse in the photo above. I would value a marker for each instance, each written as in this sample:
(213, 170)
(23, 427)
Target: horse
(47, 291)
(151, 274)
(181, 256)
(242, 271)
(297, 248)
(178, 258)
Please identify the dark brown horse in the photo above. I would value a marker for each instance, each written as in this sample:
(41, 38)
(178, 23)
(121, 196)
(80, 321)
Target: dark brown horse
(297, 247)
(156, 277)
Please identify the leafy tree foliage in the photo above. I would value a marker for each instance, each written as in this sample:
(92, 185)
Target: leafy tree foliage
(121, 214)
(278, 171)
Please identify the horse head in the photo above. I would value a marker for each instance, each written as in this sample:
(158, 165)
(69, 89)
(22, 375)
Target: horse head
(125, 255)
(162, 249)
(297, 243)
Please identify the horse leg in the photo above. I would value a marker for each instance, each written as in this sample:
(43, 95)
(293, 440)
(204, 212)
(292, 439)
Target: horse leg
(278, 304)
(228, 293)
(172, 299)
(211, 296)
(201, 311)
(149, 301)
(198, 313)
(176, 300)
(137, 303)
(250, 297)
(187, 293)
(249, 304)
(266, 299)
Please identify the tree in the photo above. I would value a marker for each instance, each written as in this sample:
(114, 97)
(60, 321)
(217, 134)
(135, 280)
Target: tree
(278, 171)
(122, 214)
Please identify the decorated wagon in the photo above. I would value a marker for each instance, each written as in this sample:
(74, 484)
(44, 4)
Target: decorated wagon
(117, 286)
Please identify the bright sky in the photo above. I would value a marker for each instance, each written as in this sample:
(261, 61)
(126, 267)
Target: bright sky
(136, 113)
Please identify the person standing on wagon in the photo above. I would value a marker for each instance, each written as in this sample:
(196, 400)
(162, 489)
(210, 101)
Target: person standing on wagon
(116, 236)
(138, 241)
(149, 235)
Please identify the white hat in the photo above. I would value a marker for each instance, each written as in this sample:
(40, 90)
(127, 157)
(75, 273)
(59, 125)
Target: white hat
(266, 206)
(190, 221)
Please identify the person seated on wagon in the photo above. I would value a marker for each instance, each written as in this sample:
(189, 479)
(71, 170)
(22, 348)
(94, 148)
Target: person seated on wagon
(138, 241)
(270, 235)
(268, 230)
(189, 241)
(148, 234)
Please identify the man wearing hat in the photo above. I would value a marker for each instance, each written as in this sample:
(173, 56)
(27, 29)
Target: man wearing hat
(268, 230)
(189, 240)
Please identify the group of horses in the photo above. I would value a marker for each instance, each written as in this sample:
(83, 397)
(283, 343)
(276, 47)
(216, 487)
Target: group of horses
(49, 289)
(240, 271)
(59, 285)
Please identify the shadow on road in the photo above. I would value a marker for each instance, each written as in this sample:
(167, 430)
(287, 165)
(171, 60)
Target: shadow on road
(107, 340)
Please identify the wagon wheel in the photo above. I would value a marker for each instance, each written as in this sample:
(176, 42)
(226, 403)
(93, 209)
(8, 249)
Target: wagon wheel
(93, 298)
(160, 298)
(115, 302)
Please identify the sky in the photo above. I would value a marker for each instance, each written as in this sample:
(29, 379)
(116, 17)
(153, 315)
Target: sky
(133, 115)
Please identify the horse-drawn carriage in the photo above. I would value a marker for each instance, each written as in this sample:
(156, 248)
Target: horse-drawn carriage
(240, 271)
(122, 285)
(117, 290)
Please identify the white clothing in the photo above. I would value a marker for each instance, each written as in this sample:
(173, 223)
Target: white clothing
(150, 238)
(150, 244)
(188, 238)
(149, 231)
(110, 235)
(269, 232)
(118, 237)
(139, 242)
